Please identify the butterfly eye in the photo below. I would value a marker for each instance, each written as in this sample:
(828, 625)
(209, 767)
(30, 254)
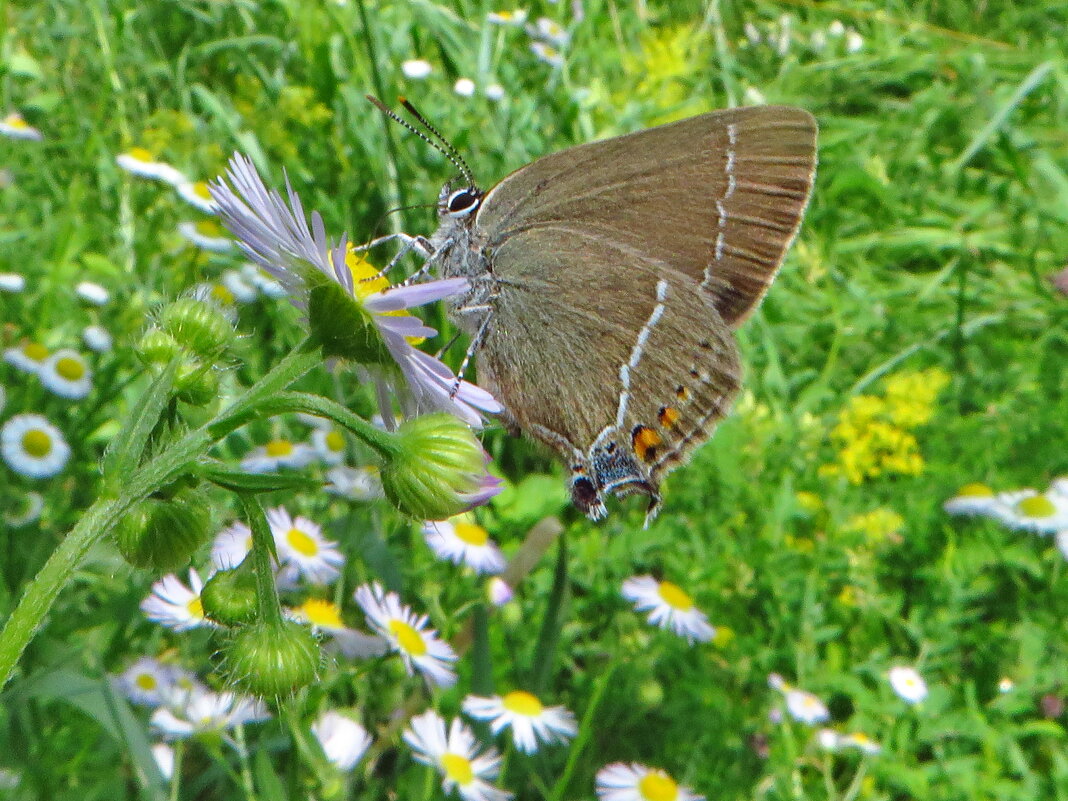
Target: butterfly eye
(461, 203)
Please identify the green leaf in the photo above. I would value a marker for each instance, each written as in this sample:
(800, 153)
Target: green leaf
(240, 481)
(124, 454)
(267, 782)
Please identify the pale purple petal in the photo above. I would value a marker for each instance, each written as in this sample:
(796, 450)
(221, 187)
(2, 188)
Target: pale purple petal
(406, 297)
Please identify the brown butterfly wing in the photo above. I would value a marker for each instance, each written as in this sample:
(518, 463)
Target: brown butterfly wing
(582, 325)
(717, 198)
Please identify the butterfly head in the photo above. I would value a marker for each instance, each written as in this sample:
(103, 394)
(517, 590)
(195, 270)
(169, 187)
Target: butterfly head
(456, 204)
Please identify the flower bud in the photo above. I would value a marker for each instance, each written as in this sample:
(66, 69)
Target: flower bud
(197, 325)
(229, 597)
(273, 659)
(163, 534)
(196, 383)
(157, 347)
(439, 470)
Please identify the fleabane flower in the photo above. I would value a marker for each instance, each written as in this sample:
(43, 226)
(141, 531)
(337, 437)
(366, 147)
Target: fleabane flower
(329, 444)
(97, 338)
(634, 782)
(28, 357)
(302, 548)
(202, 711)
(462, 541)
(325, 617)
(408, 634)
(66, 373)
(12, 282)
(147, 681)
(196, 194)
(279, 452)
(513, 18)
(530, 721)
(830, 740)
(803, 706)
(206, 235)
(354, 483)
(549, 30)
(457, 756)
(175, 605)
(547, 53)
(1027, 510)
(239, 289)
(25, 510)
(14, 126)
(907, 683)
(139, 161)
(231, 546)
(669, 607)
(33, 447)
(343, 740)
(972, 499)
(416, 69)
(354, 313)
(92, 293)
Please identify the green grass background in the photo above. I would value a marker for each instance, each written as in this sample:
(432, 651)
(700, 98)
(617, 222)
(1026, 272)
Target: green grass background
(940, 205)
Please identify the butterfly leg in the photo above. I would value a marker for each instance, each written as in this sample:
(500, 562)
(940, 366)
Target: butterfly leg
(476, 341)
(420, 244)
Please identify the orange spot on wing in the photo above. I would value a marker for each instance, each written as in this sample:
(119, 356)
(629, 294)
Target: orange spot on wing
(668, 416)
(645, 441)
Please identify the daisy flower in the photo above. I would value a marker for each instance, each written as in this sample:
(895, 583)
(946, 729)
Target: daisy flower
(550, 31)
(495, 92)
(550, 55)
(354, 483)
(33, 447)
(669, 607)
(329, 444)
(1006, 685)
(27, 509)
(464, 87)
(302, 547)
(1060, 539)
(280, 452)
(408, 634)
(513, 18)
(240, 290)
(416, 69)
(164, 756)
(206, 235)
(12, 282)
(1027, 510)
(92, 293)
(252, 274)
(325, 617)
(28, 357)
(803, 706)
(176, 606)
(14, 127)
(147, 682)
(854, 41)
(462, 541)
(196, 194)
(277, 237)
(908, 684)
(457, 756)
(531, 721)
(66, 374)
(343, 740)
(139, 161)
(971, 499)
(634, 782)
(231, 546)
(204, 711)
(830, 740)
(97, 338)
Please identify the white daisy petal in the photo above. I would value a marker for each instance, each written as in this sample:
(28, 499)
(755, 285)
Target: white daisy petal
(12, 282)
(302, 546)
(908, 684)
(530, 722)
(28, 357)
(33, 447)
(176, 606)
(635, 782)
(669, 607)
(66, 373)
(14, 126)
(139, 161)
(463, 542)
(97, 339)
(355, 483)
(416, 69)
(92, 293)
(343, 740)
(457, 756)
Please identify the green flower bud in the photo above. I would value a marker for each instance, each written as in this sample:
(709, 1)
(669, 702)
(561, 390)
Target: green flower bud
(273, 659)
(197, 325)
(439, 470)
(163, 534)
(196, 383)
(157, 347)
(229, 597)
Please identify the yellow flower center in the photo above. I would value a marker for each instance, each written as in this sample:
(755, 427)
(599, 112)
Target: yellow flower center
(222, 294)
(457, 768)
(322, 613)
(200, 189)
(366, 281)
(674, 596)
(522, 703)
(70, 368)
(15, 121)
(141, 154)
(410, 640)
(196, 608)
(31, 350)
(208, 228)
(658, 786)
(37, 443)
(470, 533)
(975, 490)
(301, 542)
(1037, 506)
(335, 442)
(278, 447)
(146, 681)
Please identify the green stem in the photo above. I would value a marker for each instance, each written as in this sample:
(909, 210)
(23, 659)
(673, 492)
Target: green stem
(270, 610)
(545, 650)
(382, 442)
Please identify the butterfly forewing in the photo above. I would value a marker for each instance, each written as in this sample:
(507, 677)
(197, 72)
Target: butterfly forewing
(718, 197)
